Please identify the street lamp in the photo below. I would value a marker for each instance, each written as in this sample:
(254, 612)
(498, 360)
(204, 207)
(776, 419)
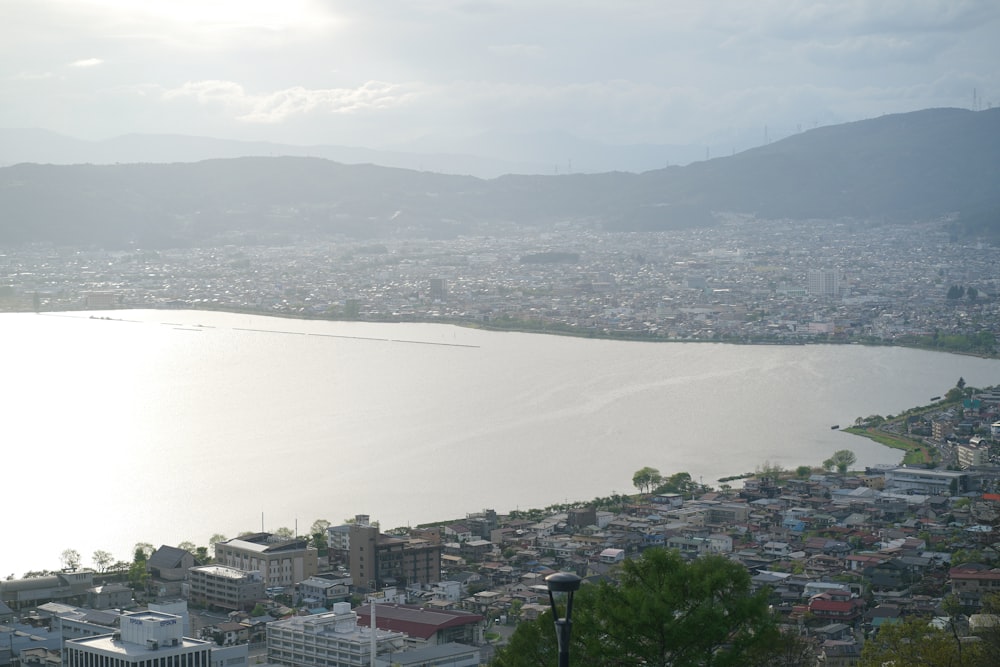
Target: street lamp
(568, 583)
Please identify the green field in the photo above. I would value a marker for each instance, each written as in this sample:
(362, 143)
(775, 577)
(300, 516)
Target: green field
(916, 453)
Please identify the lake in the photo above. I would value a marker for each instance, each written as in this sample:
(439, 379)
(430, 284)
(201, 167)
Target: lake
(166, 426)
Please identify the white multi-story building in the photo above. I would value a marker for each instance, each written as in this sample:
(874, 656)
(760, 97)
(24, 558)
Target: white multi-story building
(824, 282)
(145, 639)
(972, 454)
(226, 587)
(333, 639)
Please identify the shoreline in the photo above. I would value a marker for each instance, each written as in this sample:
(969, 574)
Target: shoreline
(524, 326)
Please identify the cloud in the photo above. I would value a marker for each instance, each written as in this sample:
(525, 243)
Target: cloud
(280, 105)
(86, 62)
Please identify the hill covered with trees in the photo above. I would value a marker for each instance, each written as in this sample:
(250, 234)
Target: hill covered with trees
(916, 166)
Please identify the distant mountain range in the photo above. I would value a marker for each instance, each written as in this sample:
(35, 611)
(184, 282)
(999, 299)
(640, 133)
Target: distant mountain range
(485, 155)
(914, 166)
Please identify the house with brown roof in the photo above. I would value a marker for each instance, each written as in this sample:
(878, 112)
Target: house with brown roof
(971, 581)
(837, 605)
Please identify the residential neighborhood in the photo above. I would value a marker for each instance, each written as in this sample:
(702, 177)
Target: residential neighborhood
(840, 554)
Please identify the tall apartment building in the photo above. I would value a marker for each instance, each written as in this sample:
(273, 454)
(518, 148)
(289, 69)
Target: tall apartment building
(385, 560)
(971, 455)
(225, 587)
(280, 562)
(823, 282)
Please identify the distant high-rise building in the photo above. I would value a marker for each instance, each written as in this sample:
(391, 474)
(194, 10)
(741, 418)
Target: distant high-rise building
(824, 282)
(439, 289)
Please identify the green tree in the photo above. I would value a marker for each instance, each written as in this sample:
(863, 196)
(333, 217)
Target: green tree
(916, 642)
(145, 547)
(533, 643)
(319, 526)
(664, 611)
(284, 532)
(188, 546)
(646, 478)
(803, 471)
(843, 459)
(138, 575)
(320, 543)
(679, 482)
(217, 537)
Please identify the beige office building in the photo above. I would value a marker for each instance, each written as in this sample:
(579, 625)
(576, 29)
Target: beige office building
(280, 562)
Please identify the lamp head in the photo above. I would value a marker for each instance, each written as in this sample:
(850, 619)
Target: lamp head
(563, 582)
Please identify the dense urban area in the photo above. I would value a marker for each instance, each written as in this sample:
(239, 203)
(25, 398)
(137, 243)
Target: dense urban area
(745, 280)
(847, 563)
(851, 566)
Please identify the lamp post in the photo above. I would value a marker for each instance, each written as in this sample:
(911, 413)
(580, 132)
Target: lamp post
(568, 583)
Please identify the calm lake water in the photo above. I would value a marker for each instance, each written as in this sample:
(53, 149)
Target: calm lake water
(165, 426)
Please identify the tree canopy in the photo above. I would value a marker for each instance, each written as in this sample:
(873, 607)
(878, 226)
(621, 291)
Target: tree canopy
(842, 459)
(916, 642)
(102, 560)
(663, 611)
(646, 478)
(70, 559)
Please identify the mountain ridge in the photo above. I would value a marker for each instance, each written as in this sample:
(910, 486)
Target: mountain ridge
(921, 165)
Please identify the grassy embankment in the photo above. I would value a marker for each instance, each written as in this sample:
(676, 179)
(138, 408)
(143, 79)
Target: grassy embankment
(916, 453)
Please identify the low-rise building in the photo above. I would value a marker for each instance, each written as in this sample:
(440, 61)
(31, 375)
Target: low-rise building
(281, 562)
(144, 639)
(426, 626)
(109, 596)
(971, 581)
(68, 587)
(443, 655)
(224, 587)
(170, 563)
(837, 605)
(923, 480)
(325, 590)
(333, 639)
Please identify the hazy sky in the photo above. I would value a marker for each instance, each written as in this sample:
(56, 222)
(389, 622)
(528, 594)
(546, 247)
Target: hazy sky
(382, 73)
